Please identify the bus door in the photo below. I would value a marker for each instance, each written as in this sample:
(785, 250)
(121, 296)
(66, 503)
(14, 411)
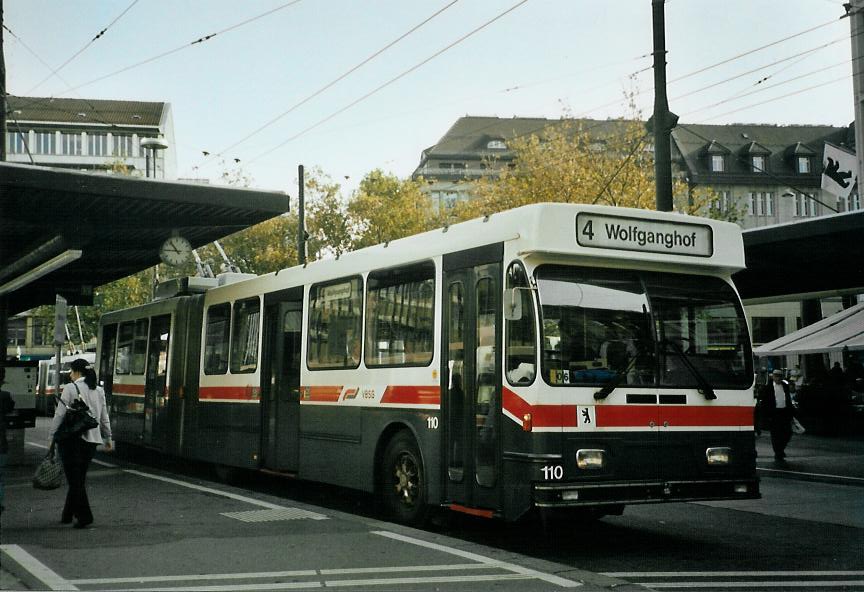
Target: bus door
(471, 385)
(106, 360)
(156, 382)
(280, 377)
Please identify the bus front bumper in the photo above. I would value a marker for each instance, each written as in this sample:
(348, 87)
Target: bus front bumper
(568, 495)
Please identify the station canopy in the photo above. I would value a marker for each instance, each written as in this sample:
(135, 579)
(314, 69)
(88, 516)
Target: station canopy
(813, 258)
(842, 330)
(65, 232)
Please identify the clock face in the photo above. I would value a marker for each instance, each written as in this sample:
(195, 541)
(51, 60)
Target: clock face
(175, 250)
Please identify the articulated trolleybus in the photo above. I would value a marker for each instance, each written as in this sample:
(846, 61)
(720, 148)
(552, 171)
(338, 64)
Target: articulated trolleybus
(550, 357)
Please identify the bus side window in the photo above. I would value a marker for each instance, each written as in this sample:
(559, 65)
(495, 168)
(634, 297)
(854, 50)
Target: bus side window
(521, 346)
(218, 327)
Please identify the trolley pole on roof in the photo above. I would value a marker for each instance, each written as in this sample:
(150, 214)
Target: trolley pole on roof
(301, 218)
(663, 120)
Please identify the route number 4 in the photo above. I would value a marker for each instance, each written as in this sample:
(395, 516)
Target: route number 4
(588, 229)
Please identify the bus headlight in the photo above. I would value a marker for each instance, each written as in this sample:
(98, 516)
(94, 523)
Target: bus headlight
(722, 455)
(590, 458)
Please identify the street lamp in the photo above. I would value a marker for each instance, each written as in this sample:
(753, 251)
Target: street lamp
(152, 145)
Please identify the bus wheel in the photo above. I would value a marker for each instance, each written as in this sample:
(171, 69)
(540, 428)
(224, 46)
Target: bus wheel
(403, 481)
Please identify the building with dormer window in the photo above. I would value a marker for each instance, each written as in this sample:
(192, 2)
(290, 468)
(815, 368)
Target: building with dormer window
(772, 173)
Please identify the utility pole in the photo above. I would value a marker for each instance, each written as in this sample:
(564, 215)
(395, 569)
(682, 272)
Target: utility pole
(856, 26)
(663, 120)
(2, 91)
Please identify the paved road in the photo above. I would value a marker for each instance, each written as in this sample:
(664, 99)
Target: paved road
(163, 526)
(167, 531)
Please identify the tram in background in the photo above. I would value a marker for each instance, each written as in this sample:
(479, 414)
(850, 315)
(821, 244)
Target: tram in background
(45, 391)
(561, 357)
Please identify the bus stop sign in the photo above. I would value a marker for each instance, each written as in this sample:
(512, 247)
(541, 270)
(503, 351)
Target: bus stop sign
(59, 321)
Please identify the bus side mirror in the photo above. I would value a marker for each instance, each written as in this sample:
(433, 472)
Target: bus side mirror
(512, 305)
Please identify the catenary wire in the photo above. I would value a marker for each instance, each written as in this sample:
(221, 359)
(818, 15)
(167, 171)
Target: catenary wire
(764, 88)
(392, 80)
(334, 81)
(184, 46)
(54, 71)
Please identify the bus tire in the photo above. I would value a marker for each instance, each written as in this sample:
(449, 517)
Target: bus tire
(403, 481)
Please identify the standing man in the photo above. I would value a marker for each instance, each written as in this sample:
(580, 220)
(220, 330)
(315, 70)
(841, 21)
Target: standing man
(6, 406)
(778, 412)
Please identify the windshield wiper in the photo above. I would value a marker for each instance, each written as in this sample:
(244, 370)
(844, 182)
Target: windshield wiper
(704, 388)
(613, 382)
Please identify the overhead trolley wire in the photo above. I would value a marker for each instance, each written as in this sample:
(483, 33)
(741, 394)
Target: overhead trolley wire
(185, 45)
(392, 80)
(797, 92)
(729, 60)
(761, 88)
(332, 82)
(757, 49)
(54, 71)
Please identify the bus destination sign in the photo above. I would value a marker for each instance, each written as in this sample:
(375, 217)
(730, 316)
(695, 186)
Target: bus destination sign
(639, 234)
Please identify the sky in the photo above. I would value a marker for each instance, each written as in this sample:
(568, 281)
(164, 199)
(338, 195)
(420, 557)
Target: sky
(277, 85)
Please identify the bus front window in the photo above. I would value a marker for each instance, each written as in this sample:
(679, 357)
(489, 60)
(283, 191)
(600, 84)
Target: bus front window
(596, 327)
(702, 321)
(598, 331)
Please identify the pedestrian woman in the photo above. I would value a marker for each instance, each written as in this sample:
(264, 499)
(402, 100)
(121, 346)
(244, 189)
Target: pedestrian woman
(77, 452)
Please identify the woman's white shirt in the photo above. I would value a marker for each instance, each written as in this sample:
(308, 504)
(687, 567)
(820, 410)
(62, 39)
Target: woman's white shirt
(95, 399)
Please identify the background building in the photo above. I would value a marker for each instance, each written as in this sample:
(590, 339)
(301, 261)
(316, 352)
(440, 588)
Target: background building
(89, 134)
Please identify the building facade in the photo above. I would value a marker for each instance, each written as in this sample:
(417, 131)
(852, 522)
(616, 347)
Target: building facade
(90, 134)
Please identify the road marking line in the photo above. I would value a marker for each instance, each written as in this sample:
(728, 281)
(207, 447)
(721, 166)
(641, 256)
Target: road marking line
(842, 477)
(341, 583)
(714, 574)
(410, 568)
(230, 588)
(481, 559)
(751, 585)
(427, 580)
(95, 460)
(48, 577)
(194, 577)
(210, 490)
(284, 574)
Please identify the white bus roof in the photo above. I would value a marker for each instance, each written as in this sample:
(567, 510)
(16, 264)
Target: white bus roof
(550, 229)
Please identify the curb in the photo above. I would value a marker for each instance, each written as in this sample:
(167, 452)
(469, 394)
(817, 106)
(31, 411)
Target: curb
(806, 476)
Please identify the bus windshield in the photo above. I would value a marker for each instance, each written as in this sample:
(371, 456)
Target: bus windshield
(639, 328)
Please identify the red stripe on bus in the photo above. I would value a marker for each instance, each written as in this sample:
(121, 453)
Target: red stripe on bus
(128, 389)
(327, 394)
(236, 393)
(626, 416)
(542, 416)
(411, 395)
(472, 511)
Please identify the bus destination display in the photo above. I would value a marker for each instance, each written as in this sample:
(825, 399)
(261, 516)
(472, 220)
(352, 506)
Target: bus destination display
(650, 236)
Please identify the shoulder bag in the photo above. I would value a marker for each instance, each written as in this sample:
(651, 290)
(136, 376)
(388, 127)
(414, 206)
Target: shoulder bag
(77, 420)
(49, 474)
